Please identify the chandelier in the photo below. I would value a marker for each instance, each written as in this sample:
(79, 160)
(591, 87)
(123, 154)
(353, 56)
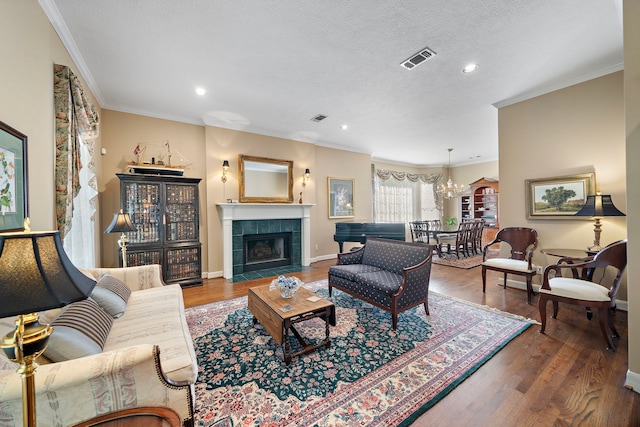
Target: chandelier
(450, 190)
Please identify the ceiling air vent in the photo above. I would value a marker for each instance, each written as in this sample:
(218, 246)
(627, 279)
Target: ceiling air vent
(418, 58)
(318, 118)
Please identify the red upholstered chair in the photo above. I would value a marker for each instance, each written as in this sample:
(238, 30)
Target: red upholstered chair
(523, 241)
(580, 289)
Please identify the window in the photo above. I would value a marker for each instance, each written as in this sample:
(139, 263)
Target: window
(402, 197)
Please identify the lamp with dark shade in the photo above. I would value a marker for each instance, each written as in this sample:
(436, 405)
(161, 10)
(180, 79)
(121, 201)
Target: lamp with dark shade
(121, 223)
(598, 206)
(35, 275)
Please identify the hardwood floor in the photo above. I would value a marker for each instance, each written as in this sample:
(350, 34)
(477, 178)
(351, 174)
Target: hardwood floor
(563, 378)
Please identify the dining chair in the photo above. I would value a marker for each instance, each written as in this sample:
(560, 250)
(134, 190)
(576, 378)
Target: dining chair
(523, 241)
(580, 289)
(477, 236)
(419, 231)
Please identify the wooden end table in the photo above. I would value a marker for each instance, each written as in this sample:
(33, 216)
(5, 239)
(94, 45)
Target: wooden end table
(265, 306)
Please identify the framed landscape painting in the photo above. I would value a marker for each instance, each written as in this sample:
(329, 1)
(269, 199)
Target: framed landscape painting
(13, 179)
(340, 197)
(559, 197)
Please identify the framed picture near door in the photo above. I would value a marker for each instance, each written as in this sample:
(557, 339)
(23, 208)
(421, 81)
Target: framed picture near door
(340, 197)
(13, 179)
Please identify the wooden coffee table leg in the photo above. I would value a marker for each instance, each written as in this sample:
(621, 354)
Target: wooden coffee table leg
(287, 346)
(326, 322)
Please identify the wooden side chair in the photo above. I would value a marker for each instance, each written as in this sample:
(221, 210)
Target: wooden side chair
(580, 289)
(523, 241)
(477, 236)
(419, 231)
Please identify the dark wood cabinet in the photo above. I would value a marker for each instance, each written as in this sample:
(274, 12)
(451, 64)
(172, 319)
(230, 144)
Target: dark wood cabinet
(165, 212)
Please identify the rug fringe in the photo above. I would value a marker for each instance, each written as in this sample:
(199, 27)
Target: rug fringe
(486, 307)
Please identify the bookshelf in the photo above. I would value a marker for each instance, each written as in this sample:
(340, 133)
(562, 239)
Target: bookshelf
(482, 202)
(165, 212)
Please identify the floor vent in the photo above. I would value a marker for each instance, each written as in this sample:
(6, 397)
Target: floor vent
(318, 118)
(418, 58)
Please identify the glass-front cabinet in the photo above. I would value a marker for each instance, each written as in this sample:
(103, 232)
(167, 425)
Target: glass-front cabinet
(165, 212)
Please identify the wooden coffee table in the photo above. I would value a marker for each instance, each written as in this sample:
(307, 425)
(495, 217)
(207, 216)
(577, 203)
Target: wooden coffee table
(265, 306)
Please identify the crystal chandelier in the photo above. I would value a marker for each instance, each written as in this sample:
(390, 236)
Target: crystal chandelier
(450, 190)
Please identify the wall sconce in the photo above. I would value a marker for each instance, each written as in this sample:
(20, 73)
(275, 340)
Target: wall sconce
(121, 223)
(598, 206)
(225, 168)
(305, 177)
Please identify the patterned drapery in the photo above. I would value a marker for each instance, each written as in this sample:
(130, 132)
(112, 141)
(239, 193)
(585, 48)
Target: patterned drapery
(75, 116)
(431, 178)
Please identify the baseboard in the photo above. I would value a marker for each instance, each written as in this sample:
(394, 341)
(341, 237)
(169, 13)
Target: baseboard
(620, 304)
(633, 381)
(213, 274)
(324, 257)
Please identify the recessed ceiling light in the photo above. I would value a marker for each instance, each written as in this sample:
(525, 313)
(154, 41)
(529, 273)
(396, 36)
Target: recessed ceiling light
(344, 127)
(470, 68)
(200, 91)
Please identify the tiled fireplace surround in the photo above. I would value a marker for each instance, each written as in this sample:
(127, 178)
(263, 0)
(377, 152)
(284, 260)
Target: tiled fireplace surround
(255, 218)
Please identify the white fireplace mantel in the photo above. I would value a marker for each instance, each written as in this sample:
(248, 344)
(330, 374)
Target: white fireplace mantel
(230, 212)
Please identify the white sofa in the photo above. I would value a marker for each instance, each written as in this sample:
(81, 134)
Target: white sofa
(148, 359)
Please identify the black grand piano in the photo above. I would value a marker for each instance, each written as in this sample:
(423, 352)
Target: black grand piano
(359, 231)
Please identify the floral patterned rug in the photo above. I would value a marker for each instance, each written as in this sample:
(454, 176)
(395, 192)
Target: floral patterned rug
(370, 375)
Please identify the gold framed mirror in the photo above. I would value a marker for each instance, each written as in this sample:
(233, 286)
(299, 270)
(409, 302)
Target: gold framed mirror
(265, 180)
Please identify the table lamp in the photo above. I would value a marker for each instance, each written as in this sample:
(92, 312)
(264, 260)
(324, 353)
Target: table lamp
(35, 275)
(598, 206)
(121, 223)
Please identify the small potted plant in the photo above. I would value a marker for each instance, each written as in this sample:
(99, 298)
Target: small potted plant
(451, 223)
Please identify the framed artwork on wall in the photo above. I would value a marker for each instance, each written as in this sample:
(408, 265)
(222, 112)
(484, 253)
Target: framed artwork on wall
(13, 179)
(559, 197)
(340, 197)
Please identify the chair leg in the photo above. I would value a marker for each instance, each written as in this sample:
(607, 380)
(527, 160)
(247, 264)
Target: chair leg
(484, 279)
(394, 321)
(612, 326)
(529, 289)
(426, 307)
(504, 285)
(555, 309)
(542, 308)
(603, 319)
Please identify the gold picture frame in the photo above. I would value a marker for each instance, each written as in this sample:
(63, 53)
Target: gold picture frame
(558, 197)
(340, 198)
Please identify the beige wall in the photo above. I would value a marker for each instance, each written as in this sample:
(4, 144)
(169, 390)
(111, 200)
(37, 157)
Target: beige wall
(121, 132)
(574, 130)
(29, 48)
(632, 124)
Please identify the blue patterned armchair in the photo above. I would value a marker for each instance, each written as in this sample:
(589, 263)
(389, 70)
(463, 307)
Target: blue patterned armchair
(389, 274)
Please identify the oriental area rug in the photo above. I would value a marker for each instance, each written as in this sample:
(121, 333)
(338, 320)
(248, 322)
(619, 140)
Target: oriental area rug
(370, 375)
(451, 260)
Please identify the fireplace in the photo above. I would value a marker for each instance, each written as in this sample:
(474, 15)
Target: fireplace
(263, 251)
(240, 219)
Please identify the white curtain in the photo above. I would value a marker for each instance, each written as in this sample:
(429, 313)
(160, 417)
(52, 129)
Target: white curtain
(79, 242)
(403, 197)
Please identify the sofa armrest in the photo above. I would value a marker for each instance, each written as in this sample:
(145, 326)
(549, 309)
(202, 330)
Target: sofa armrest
(77, 390)
(353, 257)
(137, 278)
(415, 282)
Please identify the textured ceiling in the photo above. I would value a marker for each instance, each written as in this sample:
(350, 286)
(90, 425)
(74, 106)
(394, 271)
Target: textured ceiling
(270, 66)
